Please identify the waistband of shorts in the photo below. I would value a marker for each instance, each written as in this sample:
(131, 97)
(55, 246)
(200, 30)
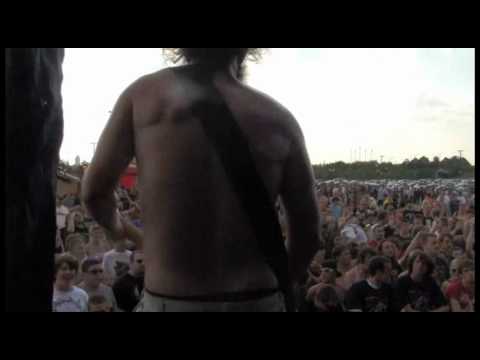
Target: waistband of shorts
(232, 297)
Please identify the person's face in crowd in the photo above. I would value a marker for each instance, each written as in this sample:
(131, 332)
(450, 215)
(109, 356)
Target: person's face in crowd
(138, 265)
(432, 245)
(379, 233)
(77, 247)
(446, 244)
(386, 276)
(388, 249)
(327, 276)
(345, 257)
(97, 235)
(65, 277)
(94, 276)
(419, 268)
(103, 307)
(468, 278)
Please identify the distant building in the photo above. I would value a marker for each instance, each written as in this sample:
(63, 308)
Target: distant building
(77, 160)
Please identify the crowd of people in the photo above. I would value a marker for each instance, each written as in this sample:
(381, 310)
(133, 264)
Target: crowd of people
(405, 249)
(93, 273)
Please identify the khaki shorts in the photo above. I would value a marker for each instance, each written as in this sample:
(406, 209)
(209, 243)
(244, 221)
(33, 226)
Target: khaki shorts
(154, 303)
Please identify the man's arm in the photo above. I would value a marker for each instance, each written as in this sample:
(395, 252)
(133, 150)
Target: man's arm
(298, 196)
(133, 233)
(470, 241)
(114, 152)
(416, 242)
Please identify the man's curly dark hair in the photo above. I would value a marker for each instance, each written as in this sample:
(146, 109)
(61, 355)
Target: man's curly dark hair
(216, 56)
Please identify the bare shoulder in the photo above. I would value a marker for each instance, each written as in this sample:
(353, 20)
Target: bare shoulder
(274, 111)
(148, 82)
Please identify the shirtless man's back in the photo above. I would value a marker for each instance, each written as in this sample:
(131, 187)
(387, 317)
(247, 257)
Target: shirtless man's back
(198, 240)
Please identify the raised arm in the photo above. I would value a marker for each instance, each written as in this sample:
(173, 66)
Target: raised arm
(114, 152)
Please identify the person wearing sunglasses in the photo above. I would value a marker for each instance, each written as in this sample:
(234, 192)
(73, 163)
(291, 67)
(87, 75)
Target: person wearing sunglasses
(93, 277)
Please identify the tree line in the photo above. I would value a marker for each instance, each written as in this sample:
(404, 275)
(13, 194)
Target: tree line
(422, 168)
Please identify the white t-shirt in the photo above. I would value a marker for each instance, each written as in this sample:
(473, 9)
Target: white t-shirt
(381, 194)
(62, 212)
(75, 300)
(114, 261)
(354, 233)
(446, 200)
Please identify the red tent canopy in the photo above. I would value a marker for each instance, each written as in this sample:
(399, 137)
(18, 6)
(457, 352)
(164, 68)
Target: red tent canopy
(129, 177)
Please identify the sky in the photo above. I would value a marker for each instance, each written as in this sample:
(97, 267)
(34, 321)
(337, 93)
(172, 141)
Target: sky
(352, 104)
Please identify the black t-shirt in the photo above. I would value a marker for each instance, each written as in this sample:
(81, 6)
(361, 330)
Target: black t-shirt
(422, 296)
(364, 297)
(442, 269)
(127, 291)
